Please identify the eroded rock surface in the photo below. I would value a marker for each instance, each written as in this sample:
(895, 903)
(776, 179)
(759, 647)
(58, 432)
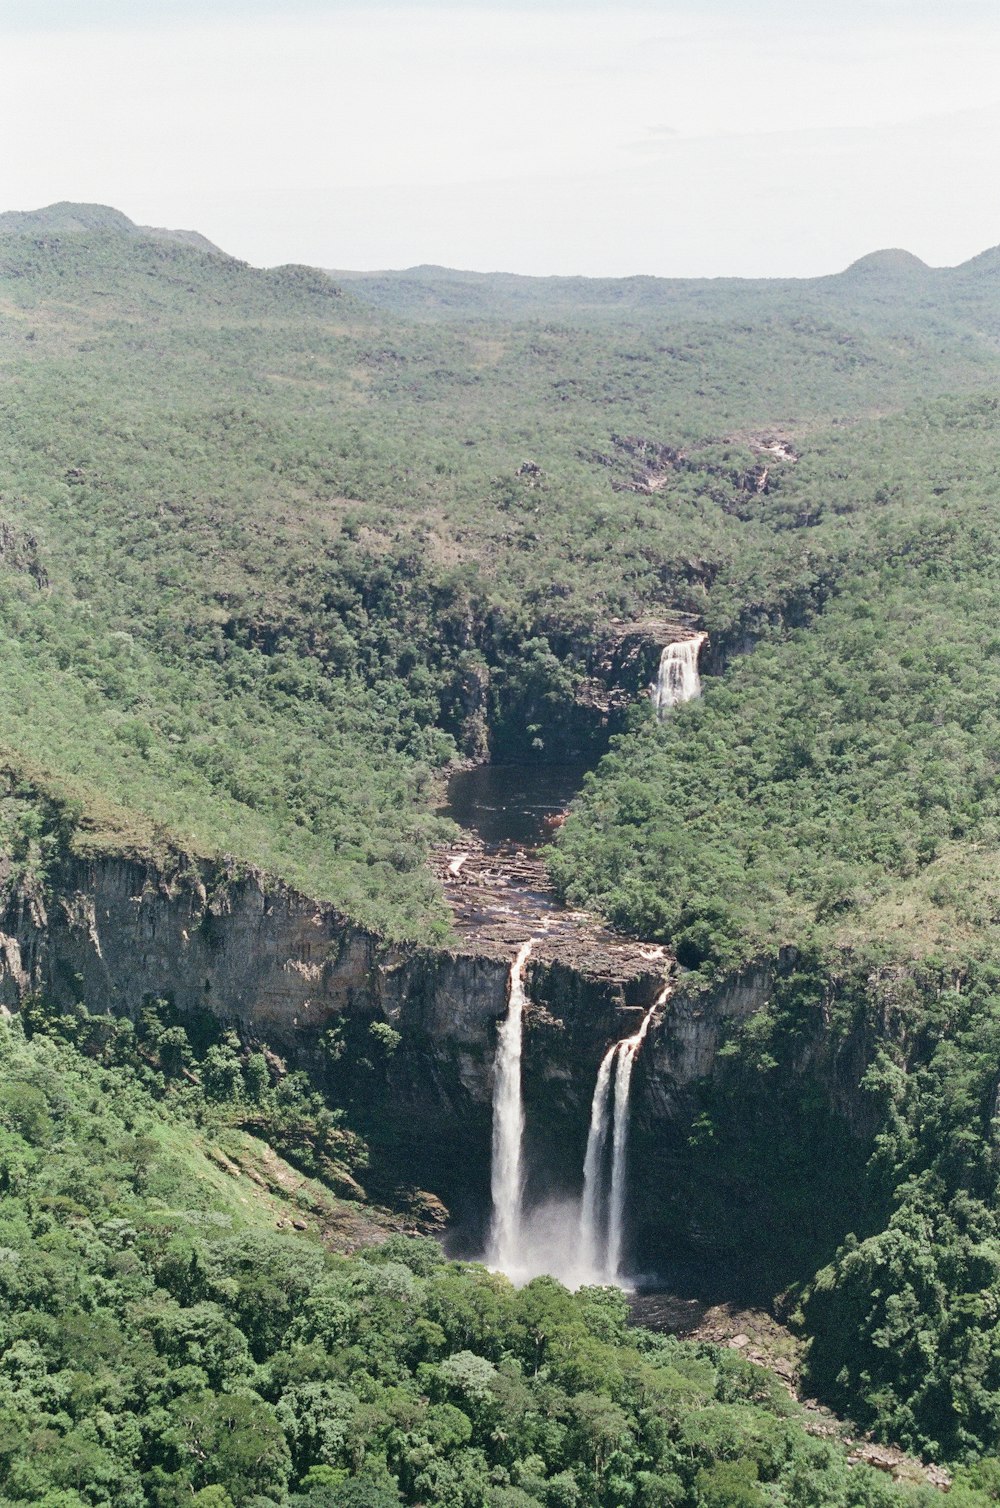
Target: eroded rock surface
(281, 968)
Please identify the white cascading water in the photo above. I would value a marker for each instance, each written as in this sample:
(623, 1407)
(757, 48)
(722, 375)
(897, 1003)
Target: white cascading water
(624, 1063)
(602, 1209)
(506, 1173)
(579, 1243)
(592, 1202)
(677, 679)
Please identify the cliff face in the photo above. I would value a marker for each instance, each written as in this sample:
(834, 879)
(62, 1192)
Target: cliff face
(283, 969)
(752, 1163)
(118, 933)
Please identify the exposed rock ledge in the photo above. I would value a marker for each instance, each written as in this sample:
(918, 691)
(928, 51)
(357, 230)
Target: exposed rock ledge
(282, 968)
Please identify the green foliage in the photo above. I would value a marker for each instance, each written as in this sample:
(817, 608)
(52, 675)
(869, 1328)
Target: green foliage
(810, 792)
(270, 555)
(162, 1343)
(222, 1084)
(905, 1320)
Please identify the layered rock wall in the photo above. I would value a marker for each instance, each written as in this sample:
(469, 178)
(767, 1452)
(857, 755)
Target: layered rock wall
(116, 933)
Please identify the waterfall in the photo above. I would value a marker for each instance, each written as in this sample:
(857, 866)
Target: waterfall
(602, 1208)
(506, 1175)
(677, 679)
(624, 1064)
(576, 1242)
(592, 1204)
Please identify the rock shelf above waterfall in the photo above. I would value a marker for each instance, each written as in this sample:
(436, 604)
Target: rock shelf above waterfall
(499, 897)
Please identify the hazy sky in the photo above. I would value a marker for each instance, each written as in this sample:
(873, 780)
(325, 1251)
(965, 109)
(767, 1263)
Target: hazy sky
(757, 138)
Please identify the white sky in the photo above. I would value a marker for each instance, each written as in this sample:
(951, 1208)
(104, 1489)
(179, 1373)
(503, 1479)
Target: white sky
(754, 138)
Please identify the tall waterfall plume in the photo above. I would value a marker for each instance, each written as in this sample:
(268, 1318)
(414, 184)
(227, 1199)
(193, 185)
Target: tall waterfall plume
(592, 1204)
(506, 1171)
(677, 679)
(624, 1064)
(602, 1208)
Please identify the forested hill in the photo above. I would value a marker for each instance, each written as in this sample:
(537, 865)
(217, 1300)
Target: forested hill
(278, 547)
(70, 219)
(261, 536)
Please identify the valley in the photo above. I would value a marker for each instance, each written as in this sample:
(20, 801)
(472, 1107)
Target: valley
(494, 768)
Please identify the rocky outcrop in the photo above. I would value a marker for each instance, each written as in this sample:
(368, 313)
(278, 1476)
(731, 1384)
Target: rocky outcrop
(682, 1049)
(116, 933)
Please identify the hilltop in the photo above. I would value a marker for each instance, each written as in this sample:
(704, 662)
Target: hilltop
(66, 218)
(893, 262)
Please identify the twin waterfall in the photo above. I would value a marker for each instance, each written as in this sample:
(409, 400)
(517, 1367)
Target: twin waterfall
(602, 1208)
(583, 1244)
(677, 680)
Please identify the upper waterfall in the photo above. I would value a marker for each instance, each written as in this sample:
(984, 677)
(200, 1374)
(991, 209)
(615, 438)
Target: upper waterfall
(677, 679)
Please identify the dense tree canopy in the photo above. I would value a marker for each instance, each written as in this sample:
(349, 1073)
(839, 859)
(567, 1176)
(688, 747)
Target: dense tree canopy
(163, 1343)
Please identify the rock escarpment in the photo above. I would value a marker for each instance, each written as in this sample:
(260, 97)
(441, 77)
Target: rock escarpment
(281, 968)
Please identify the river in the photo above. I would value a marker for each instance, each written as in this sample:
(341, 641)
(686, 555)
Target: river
(508, 803)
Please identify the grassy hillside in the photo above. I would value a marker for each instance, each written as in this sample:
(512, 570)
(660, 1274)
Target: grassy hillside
(260, 540)
(887, 290)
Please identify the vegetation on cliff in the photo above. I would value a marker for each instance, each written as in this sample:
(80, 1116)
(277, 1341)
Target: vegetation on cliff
(169, 1337)
(274, 550)
(845, 1151)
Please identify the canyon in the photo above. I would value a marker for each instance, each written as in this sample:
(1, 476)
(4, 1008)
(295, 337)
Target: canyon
(282, 969)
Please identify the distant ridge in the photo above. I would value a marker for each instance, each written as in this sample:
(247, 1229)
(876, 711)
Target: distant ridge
(467, 290)
(67, 218)
(986, 264)
(892, 261)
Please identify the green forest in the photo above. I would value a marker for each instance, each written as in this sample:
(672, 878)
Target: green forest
(169, 1337)
(278, 549)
